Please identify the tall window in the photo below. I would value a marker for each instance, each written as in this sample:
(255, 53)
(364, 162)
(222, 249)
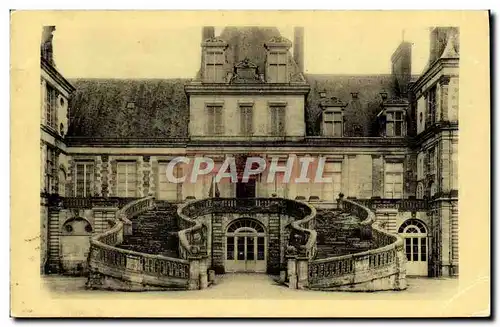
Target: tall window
(166, 189)
(431, 106)
(246, 121)
(415, 235)
(214, 123)
(277, 120)
(330, 191)
(214, 67)
(127, 179)
(332, 123)
(394, 123)
(277, 67)
(393, 180)
(50, 170)
(84, 173)
(50, 106)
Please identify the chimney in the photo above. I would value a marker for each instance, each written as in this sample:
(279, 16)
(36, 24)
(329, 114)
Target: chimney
(401, 68)
(298, 47)
(438, 40)
(46, 47)
(207, 32)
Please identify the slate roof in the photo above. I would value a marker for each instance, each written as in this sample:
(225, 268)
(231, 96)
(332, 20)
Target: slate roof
(103, 108)
(100, 107)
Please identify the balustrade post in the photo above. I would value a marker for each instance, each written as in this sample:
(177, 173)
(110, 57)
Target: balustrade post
(401, 264)
(194, 273)
(203, 273)
(361, 266)
(292, 271)
(302, 273)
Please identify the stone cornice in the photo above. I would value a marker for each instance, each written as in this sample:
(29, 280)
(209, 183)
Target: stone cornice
(432, 131)
(221, 88)
(433, 70)
(308, 141)
(52, 72)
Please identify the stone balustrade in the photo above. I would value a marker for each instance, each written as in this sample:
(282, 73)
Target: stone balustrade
(382, 268)
(119, 269)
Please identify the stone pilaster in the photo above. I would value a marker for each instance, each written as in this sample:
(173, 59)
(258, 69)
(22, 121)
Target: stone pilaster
(218, 250)
(153, 177)
(140, 178)
(112, 171)
(273, 247)
(146, 168)
(105, 175)
(71, 178)
(377, 176)
(98, 176)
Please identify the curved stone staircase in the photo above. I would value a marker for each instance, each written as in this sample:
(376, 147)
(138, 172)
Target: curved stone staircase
(155, 245)
(155, 231)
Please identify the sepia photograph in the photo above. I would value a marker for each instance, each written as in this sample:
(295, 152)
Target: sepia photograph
(302, 160)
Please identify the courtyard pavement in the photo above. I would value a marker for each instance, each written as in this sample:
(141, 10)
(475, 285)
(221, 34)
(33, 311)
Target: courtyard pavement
(258, 286)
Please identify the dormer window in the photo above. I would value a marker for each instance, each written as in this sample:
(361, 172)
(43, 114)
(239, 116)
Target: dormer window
(393, 117)
(394, 123)
(332, 123)
(277, 67)
(333, 117)
(214, 60)
(214, 67)
(277, 60)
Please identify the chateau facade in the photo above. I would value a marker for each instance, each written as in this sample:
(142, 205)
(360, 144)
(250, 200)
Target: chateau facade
(389, 142)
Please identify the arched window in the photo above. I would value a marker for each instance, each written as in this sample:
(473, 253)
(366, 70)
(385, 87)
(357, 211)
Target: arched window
(245, 224)
(414, 233)
(245, 246)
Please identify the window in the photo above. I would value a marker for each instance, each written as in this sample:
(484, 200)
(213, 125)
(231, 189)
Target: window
(50, 106)
(330, 191)
(246, 122)
(166, 189)
(214, 67)
(84, 172)
(277, 67)
(127, 179)
(332, 123)
(277, 120)
(394, 180)
(214, 123)
(431, 106)
(394, 123)
(415, 235)
(50, 170)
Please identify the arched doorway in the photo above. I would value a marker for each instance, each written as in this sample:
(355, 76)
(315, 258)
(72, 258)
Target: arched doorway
(414, 233)
(245, 246)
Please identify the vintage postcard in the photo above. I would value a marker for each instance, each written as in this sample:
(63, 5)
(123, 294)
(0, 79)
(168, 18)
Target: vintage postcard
(250, 164)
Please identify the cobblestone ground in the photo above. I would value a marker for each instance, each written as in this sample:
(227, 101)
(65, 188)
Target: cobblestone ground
(259, 286)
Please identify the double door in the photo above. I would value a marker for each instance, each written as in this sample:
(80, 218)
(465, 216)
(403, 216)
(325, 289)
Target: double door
(245, 252)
